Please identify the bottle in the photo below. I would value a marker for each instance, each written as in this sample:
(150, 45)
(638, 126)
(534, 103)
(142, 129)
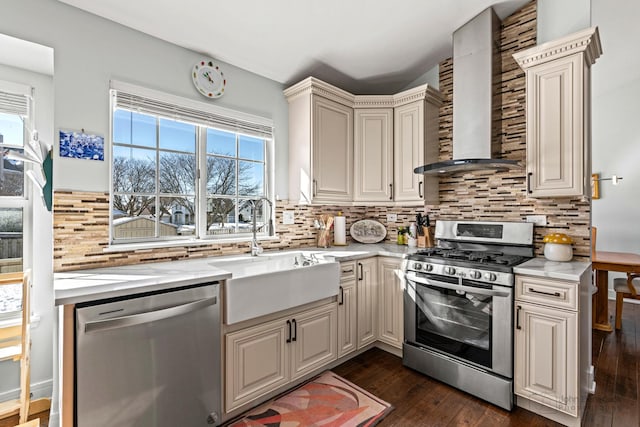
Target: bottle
(400, 238)
(413, 230)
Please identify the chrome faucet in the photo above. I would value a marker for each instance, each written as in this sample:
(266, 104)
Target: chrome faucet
(256, 249)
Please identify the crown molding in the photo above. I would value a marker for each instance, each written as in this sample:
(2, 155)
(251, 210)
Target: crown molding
(586, 41)
(312, 85)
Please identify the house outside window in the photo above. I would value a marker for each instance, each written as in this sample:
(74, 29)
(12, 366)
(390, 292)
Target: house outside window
(179, 172)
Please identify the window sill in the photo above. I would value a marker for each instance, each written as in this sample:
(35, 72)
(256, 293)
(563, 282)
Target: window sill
(126, 247)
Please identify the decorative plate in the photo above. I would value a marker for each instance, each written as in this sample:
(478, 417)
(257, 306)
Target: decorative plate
(368, 231)
(208, 79)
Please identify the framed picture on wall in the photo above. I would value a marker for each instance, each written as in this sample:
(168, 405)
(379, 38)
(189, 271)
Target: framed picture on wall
(595, 186)
(79, 145)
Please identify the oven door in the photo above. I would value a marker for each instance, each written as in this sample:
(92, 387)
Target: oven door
(467, 320)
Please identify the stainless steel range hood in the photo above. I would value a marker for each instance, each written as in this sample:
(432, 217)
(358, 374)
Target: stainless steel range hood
(476, 73)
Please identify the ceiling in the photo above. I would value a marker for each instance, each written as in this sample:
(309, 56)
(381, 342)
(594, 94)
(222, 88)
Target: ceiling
(363, 46)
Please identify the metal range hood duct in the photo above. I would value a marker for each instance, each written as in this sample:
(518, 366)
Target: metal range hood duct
(476, 73)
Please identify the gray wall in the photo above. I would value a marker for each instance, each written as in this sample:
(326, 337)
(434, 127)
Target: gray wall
(557, 18)
(89, 51)
(616, 125)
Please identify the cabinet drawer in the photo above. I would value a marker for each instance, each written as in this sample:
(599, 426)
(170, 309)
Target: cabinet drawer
(551, 292)
(347, 270)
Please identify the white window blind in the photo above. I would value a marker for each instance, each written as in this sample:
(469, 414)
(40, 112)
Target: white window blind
(14, 98)
(142, 100)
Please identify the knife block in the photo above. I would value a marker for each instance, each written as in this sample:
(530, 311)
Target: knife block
(428, 237)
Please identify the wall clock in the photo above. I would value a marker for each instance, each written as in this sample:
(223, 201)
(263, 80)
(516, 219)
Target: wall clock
(208, 79)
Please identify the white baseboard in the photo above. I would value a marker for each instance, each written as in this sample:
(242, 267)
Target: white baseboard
(38, 391)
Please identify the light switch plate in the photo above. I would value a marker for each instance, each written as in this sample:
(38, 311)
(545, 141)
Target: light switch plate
(287, 217)
(537, 219)
(392, 217)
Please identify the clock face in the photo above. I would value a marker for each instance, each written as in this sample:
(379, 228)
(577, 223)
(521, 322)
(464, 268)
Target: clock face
(208, 79)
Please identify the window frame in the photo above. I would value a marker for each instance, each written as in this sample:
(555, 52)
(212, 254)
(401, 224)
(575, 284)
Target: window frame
(201, 196)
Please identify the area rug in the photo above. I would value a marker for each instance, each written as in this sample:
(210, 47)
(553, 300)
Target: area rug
(327, 400)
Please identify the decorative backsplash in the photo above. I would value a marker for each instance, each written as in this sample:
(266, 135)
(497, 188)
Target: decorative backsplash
(81, 219)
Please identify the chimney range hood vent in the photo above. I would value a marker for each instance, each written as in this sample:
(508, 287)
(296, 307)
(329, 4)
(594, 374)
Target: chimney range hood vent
(476, 72)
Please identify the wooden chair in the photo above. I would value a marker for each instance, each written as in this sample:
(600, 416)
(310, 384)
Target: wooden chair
(625, 288)
(15, 344)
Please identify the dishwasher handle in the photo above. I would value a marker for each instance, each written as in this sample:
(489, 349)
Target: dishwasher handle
(147, 317)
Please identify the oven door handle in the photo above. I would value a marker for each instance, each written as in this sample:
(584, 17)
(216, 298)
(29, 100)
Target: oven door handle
(412, 277)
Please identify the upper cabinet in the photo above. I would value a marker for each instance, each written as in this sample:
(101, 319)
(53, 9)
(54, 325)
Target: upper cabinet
(369, 159)
(320, 143)
(373, 166)
(559, 115)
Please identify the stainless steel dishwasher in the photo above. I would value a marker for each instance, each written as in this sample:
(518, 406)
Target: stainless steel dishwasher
(149, 360)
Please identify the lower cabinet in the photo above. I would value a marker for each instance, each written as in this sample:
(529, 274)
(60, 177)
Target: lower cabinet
(262, 358)
(367, 296)
(552, 323)
(347, 307)
(390, 301)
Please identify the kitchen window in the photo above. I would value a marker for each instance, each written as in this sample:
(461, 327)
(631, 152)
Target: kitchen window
(15, 120)
(183, 169)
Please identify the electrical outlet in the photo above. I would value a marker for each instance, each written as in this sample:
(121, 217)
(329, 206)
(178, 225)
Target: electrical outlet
(540, 220)
(392, 217)
(287, 217)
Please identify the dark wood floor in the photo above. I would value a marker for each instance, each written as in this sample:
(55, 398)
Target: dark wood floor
(421, 401)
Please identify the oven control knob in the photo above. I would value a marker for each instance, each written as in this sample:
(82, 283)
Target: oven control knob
(450, 270)
(490, 276)
(428, 267)
(475, 274)
(417, 266)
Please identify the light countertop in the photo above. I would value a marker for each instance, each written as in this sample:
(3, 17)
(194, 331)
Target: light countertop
(542, 267)
(93, 284)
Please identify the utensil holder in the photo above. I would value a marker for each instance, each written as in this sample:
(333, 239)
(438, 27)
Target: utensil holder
(323, 238)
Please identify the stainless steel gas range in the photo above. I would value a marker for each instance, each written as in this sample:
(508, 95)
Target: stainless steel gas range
(458, 306)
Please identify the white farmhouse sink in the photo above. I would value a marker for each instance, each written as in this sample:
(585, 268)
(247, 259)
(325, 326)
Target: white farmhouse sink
(272, 282)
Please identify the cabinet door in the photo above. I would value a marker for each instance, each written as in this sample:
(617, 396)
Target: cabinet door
(332, 139)
(408, 151)
(257, 361)
(367, 294)
(313, 340)
(373, 155)
(546, 359)
(556, 128)
(347, 318)
(390, 315)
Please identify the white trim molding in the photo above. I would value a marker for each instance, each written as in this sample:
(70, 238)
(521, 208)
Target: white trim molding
(586, 41)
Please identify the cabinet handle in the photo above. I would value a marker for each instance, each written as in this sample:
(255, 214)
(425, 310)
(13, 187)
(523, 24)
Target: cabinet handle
(341, 296)
(420, 189)
(295, 330)
(348, 271)
(518, 317)
(529, 182)
(390, 191)
(289, 327)
(551, 294)
(361, 274)
(315, 187)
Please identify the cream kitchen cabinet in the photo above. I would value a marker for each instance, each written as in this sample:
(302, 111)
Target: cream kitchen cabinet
(367, 301)
(334, 158)
(320, 143)
(390, 301)
(347, 306)
(415, 144)
(264, 357)
(552, 346)
(558, 97)
(373, 155)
